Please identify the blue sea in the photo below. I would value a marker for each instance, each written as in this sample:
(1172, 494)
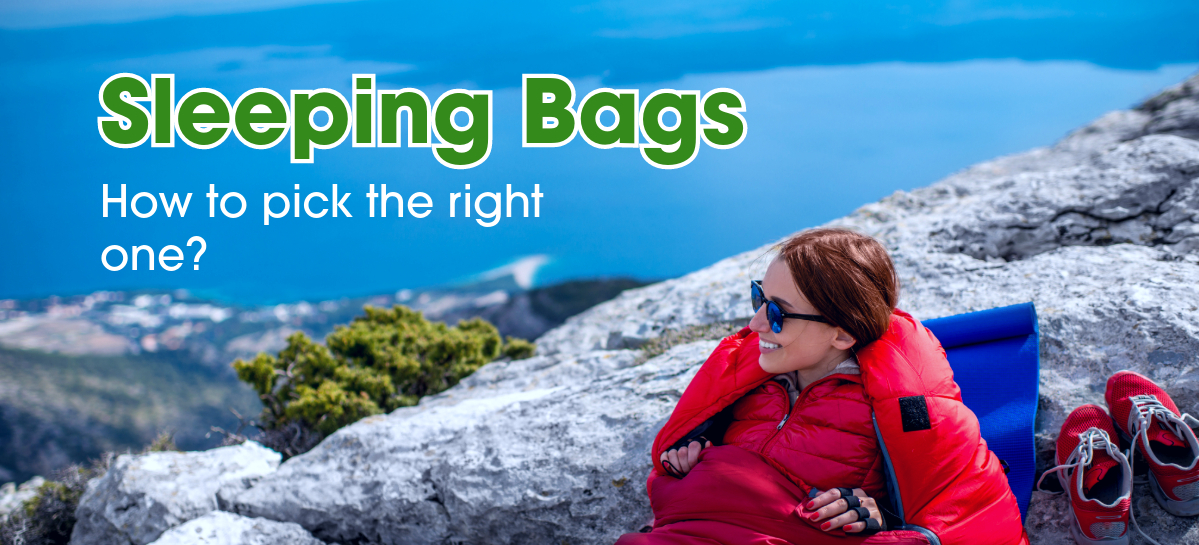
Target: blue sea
(845, 105)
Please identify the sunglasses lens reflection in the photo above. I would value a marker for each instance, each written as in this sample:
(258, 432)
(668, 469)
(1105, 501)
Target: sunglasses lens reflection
(775, 316)
(755, 296)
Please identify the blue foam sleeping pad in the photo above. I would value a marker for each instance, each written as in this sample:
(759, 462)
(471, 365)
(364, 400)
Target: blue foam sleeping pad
(996, 362)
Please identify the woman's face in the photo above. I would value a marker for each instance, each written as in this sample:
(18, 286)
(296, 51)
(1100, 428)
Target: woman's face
(812, 348)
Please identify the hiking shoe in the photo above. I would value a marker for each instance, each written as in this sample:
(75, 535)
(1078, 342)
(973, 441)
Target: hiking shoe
(1096, 475)
(1147, 417)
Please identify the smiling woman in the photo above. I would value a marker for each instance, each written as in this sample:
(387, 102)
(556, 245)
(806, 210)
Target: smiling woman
(776, 436)
(849, 279)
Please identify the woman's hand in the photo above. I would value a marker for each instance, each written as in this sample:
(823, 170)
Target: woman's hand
(839, 512)
(679, 461)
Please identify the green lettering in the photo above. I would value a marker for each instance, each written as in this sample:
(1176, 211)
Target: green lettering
(391, 104)
(549, 120)
(128, 124)
(203, 118)
(260, 118)
(468, 146)
(684, 134)
(162, 108)
(721, 107)
(304, 136)
(623, 104)
(364, 116)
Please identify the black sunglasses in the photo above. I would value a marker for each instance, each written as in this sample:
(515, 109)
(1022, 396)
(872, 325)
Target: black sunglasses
(774, 314)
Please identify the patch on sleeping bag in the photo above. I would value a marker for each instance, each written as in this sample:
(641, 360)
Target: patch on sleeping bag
(914, 412)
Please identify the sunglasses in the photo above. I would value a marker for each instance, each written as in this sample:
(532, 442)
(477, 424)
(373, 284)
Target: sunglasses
(774, 314)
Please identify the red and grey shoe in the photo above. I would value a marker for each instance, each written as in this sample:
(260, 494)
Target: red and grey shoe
(1096, 475)
(1149, 419)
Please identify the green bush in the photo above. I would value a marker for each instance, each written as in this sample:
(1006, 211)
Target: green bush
(518, 349)
(49, 517)
(379, 362)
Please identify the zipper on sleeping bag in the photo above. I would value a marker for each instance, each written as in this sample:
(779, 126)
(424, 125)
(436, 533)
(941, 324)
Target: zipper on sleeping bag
(790, 409)
(783, 422)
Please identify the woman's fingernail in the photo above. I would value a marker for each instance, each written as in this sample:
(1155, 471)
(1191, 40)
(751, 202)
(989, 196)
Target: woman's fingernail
(811, 504)
(826, 526)
(846, 528)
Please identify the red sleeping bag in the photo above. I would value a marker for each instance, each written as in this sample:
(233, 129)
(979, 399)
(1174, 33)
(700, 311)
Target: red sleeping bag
(754, 489)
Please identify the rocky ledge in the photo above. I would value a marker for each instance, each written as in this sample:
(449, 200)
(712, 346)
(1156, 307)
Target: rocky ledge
(1101, 231)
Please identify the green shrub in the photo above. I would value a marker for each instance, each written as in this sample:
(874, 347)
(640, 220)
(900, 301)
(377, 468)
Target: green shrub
(165, 442)
(379, 362)
(518, 349)
(49, 517)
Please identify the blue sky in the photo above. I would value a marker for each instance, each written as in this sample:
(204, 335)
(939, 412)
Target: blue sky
(845, 105)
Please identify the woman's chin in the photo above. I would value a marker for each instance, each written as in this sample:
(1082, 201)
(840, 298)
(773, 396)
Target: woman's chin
(766, 363)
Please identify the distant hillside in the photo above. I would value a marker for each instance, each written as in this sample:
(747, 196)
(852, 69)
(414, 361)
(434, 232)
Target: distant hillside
(56, 409)
(109, 371)
(528, 314)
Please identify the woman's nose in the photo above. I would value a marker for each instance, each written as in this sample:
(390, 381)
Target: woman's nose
(759, 323)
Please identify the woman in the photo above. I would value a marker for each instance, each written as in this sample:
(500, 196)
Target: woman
(776, 441)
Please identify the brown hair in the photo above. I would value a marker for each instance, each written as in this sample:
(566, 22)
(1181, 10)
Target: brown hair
(847, 276)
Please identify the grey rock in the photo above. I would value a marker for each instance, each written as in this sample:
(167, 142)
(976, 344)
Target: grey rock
(539, 456)
(1047, 516)
(1175, 110)
(221, 528)
(1091, 204)
(12, 497)
(142, 496)
(1101, 231)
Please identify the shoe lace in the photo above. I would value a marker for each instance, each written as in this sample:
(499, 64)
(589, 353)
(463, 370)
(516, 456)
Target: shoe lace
(1082, 456)
(1148, 408)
